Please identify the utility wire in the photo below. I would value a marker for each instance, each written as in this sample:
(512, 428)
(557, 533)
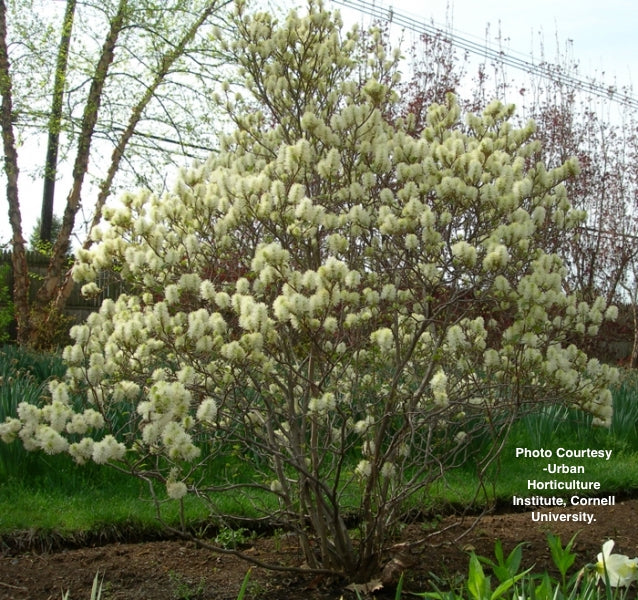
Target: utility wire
(544, 70)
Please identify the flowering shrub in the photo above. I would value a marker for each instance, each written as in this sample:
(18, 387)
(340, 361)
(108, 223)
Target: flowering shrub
(340, 302)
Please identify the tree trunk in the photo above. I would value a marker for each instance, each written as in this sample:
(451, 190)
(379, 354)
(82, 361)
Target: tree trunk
(53, 144)
(65, 285)
(37, 316)
(633, 359)
(19, 259)
(44, 309)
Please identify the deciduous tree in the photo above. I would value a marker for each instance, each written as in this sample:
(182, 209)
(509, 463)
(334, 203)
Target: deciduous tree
(346, 306)
(129, 78)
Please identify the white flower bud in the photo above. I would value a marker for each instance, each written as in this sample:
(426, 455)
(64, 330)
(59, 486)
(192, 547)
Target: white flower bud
(364, 469)
(176, 490)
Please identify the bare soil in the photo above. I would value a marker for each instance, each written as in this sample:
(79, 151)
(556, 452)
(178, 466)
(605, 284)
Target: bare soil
(174, 569)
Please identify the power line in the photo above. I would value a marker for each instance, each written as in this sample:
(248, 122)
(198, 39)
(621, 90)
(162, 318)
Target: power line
(105, 135)
(544, 70)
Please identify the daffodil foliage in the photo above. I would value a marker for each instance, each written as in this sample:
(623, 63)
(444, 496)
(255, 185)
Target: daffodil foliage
(343, 304)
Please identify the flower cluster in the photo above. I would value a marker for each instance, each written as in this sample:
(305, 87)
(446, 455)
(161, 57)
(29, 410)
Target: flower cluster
(175, 489)
(438, 384)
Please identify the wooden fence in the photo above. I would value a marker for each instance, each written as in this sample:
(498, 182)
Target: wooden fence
(77, 306)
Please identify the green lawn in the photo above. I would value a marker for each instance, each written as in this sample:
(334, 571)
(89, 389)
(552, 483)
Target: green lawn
(51, 494)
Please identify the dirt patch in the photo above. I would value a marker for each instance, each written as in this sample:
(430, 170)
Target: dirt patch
(164, 570)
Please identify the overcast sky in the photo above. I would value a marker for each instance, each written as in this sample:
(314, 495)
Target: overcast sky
(603, 33)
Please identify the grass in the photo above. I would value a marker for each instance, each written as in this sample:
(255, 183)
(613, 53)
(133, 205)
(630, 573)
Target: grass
(80, 499)
(51, 493)
(551, 428)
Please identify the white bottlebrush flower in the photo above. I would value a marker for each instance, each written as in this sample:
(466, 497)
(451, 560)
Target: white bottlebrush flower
(108, 449)
(198, 323)
(57, 414)
(242, 286)
(59, 392)
(460, 437)
(353, 279)
(455, 338)
(9, 430)
(146, 409)
(619, 570)
(491, 359)
(49, 440)
(126, 390)
(364, 469)
(538, 216)
(171, 293)
(173, 435)
(190, 282)
(323, 404)
(368, 448)
(389, 292)
(363, 425)
(411, 241)
(388, 470)
(383, 339)
(207, 411)
(207, 290)
(80, 333)
(90, 290)
(611, 314)
(330, 324)
(82, 451)
(438, 385)
(29, 414)
(315, 406)
(176, 489)
(465, 253)
(281, 308)
(151, 433)
(496, 258)
(77, 424)
(179, 444)
(83, 272)
(233, 351)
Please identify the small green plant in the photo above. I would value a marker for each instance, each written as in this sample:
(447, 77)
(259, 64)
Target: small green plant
(504, 568)
(228, 537)
(479, 585)
(96, 589)
(244, 585)
(563, 557)
(184, 589)
(586, 584)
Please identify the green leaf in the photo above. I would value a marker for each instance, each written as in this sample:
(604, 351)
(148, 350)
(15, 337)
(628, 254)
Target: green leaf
(506, 585)
(477, 583)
